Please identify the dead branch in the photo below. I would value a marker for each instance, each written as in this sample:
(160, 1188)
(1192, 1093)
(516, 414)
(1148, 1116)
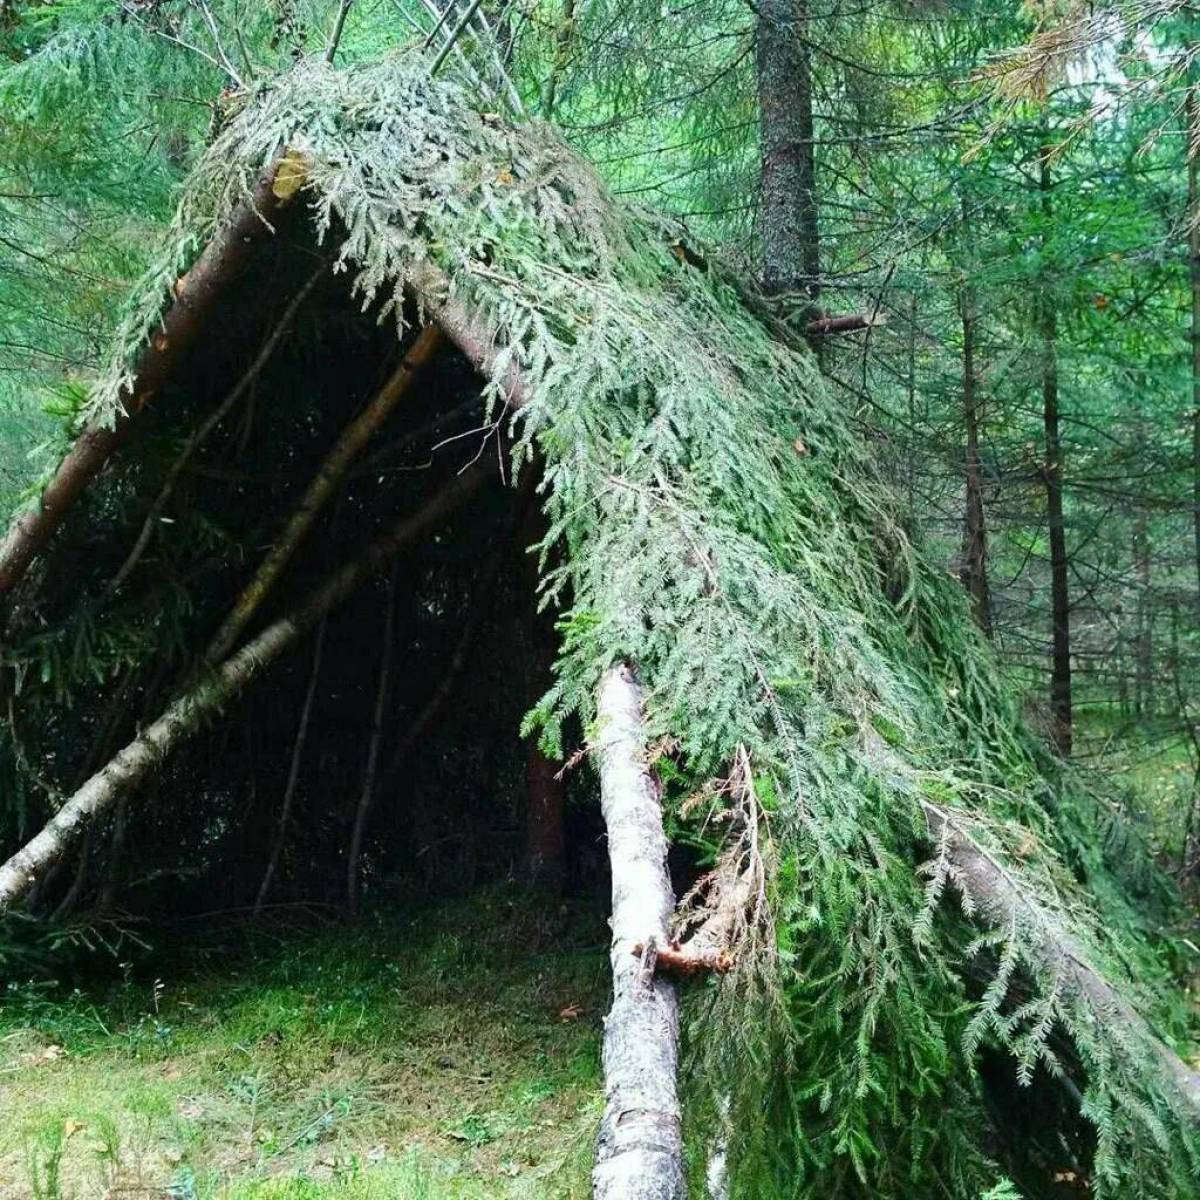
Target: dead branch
(196, 295)
(845, 323)
(185, 716)
(251, 373)
(371, 772)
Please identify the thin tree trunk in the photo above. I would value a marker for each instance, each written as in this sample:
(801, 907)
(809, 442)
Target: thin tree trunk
(293, 779)
(639, 1151)
(1144, 645)
(183, 717)
(546, 792)
(790, 235)
(196, 295)
(1193, 232)
(353, 438)
(1060, 597)
(371, 771)
(974, 566)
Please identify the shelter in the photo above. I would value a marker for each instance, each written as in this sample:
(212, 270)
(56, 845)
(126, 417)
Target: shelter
(293, 425)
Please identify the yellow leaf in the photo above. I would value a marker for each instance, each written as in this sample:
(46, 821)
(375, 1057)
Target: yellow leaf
(289, 175)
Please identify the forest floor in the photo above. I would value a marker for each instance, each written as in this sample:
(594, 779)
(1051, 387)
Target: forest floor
(454, 1054)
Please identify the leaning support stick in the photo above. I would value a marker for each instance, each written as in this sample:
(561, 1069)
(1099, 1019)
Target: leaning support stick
(1000, 900)
(185, 715)
(196, 296)
(639, 1151)
(348, 446)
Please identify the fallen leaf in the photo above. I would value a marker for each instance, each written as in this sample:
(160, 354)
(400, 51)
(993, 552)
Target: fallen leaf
(570, 1012)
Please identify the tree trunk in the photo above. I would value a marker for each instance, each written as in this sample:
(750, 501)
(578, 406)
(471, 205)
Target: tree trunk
(1060, 597)
(546, 793)
(639, 1151)
(790, 237)
(196, 296)
(999, 900)
(1144, 645)
(187, 714)
(1193, 216)
(332, 470)
(371, 771)
(974, 564)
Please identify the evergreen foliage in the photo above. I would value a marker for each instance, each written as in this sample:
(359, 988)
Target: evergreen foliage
(722, 524)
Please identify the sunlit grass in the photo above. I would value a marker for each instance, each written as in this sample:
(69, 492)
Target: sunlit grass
(424, 1058)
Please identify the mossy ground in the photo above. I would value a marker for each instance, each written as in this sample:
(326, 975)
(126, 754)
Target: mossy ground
(452, 1053)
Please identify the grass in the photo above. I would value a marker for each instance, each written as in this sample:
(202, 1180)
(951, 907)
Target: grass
(451, 1055)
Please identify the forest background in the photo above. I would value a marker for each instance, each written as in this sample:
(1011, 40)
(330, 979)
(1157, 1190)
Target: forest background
(1002, 199)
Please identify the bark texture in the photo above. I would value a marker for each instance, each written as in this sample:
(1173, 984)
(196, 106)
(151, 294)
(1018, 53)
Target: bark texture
(974, 564)
(196, 295)
(1060, 588)
(186, 714)
(467, 329)
(639, 1151)
(791, 242)
(1001, 902)
(1193, 186)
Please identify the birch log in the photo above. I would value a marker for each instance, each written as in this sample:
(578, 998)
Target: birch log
(1001, 901)
(196, 295)
(188, 713)
(639, 1151)
(322, 489)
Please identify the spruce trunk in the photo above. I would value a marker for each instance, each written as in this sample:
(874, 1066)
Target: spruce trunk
(974, 566)
(790, 236)
(639, 1151)
(1060, 595)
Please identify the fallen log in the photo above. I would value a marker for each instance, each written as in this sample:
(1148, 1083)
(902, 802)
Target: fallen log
(639, 1149)
(183, 717)
(1000, 900)
(196, 295)
(331, 472)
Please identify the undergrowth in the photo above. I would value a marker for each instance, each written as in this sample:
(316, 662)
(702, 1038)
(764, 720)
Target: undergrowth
(450, 1054)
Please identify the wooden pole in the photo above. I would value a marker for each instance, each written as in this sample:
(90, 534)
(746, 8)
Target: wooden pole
(337, 462)
(196, 296)
(639, 1151)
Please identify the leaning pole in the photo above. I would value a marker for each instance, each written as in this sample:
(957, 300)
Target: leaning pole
(639, 1150)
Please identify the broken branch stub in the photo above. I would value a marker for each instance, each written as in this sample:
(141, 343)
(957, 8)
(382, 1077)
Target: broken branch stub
(196, 294)
(639, 1149)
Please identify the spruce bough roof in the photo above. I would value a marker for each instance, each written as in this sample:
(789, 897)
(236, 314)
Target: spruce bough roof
(723, 525)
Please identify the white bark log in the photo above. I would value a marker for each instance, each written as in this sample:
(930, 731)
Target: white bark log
(186, 715)
(1000, 900)
(639, 1151)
